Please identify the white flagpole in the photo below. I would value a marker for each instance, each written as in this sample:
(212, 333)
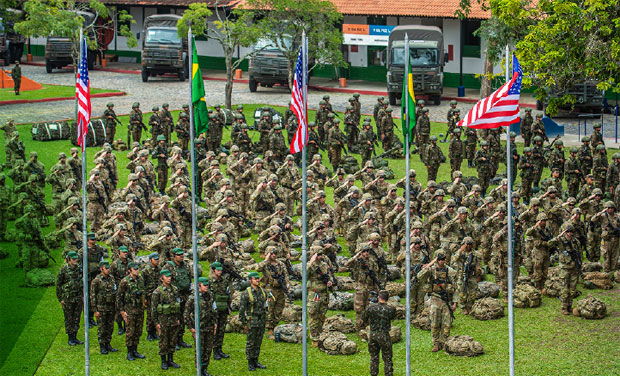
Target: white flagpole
(84, 233)
(511, 324)
(405, 100)
(192, 132)
(304, 228)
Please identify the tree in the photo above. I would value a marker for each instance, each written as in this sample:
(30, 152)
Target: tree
(283, 21)
(562, 43)
(61, 18)
(231, 29)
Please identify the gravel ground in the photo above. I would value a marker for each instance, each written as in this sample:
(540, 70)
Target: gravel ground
(168, 89)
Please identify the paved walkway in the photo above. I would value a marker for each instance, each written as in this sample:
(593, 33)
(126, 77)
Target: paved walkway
(125, 77)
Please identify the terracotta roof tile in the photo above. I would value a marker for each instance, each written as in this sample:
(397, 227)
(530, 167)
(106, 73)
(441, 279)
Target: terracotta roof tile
(419, 8)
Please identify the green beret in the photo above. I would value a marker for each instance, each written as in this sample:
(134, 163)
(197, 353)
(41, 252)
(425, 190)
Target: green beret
(203, 280)
(72, 255)
(216, 265)
(133, 265)
(154, 256)
(91, 236)
(177, 251)
(165, 272)
(104, 263)
(123, 249)
(253, 275)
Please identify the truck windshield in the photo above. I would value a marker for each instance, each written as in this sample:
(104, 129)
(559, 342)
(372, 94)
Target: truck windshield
(419, 57)
(268, 44)
(162, 36)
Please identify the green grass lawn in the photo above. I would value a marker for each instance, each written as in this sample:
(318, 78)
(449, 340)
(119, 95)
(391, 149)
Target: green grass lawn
(547, 343)
(47, 91)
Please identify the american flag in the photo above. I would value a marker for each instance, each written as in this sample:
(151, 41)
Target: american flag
(82, 93)
(298, 94)
(500, 108)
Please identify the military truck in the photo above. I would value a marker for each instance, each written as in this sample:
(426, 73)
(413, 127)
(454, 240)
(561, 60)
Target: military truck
(163, 51)
(267, 66)
(587, 98)
(11, 43)
(58, 50)
(427, 58)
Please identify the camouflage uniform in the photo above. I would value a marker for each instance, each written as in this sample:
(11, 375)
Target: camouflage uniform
(484, 166)
(423, 129)
(528, 173)
(418, 257)
(181, 280)
(574, 174)
(538, 159)
(109, 117)
(136, 123)
(97, 201)
(557, 157)
(150, 275)
(538, 236)
(366, 140)
(609, 221)
(319, 273)
(585, 155)
(600, 165)
(596, 138)
(31, 245)
(207, 322)
(183, 131)
(378, 106)
(441, 291)
(263, 202)
(131, 299)
(380, 316)
(351, 126)
(103, 298)
(166, 122)
(526, 127)
(165, 310)
(156, 126)
(387, 129)
(221, 288)
(253, 314)
(456, 151)
(272, 271)
(613, 174)
(433, 158)
(336, 141)
(569, 252)
(365, 271)
(69, 287)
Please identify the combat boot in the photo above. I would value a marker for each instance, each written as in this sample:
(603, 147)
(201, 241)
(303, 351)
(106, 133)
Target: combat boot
(436, 348)
(223, 355)
(257, 364)
(183, 344)
(71, 341)
(121, 328)
(164, 363)
(103, 349)
(130, 353)
(204, 372)
(171, 362)
(77, 341)
(150, 336)
(110, 348)
(136, 354)
(216, 353)
(251, 365)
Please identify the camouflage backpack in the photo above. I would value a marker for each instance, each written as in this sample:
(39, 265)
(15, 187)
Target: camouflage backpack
(590, 308)
(463, 346)
(289, 333)
(553, 285)
(487, 289)
(526, 296)
(600, 280)
(350, 165)
(339, 323)
(336, 343)
(487, 309)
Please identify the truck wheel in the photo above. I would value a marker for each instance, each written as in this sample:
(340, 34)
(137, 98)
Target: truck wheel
(182, 74)
(437, 100)
(539, 105)
(145, 75)
(392, 97)
(48, 66)
(253, 85)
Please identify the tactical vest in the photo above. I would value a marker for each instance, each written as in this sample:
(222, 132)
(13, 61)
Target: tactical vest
(440, 282)
(251, 296)
(182, 279)
(172, 308)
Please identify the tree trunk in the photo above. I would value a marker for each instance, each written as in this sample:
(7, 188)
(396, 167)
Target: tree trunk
(229, 80)
(291, 71)
(486, 86)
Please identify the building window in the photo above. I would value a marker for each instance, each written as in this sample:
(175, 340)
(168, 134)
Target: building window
(377, 20)
(164, 10)
(471, 42)
(374, 55)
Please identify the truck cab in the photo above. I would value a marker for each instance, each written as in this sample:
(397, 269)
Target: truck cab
(11, 43)
(163, 51)
(268, 66)
(427, 61)
(58, 50)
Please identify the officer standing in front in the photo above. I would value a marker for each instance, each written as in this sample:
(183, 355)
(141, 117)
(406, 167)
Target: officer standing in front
(253, 317)
(379, 316)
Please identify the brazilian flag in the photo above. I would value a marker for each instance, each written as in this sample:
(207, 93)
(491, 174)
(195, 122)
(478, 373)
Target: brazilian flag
(408, 97)
(201, 115)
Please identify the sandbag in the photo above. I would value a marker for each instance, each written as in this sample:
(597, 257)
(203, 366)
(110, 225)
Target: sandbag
(339, 323)
(289, 333)
(340, 301)
(50, 131)
(592, 267)
(96, 135)
(40, 278)
(336, 343)
(463, 346)
(487, 290)
(590, 308)
(423, 320)
(487, 309)
(526, 296)
(599, 279)
(553, 284)
(291, 313)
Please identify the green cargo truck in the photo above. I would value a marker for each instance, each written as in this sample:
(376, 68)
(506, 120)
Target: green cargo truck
(163, 51)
